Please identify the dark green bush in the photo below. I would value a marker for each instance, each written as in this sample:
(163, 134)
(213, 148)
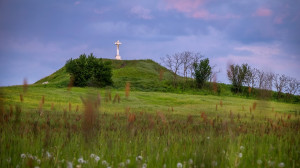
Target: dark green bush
(90, 71)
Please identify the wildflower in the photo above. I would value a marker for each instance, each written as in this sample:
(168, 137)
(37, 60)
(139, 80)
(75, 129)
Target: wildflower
(240, 155)
(92, 155)
(259, 161)
(97, 158)
(104, 162)
(128, 161)
(8, 160)
(242, 147)
(179, 165)
(208, 138)
(190, 161)
(281, 164)
(122, 164)
(81, 160)
(164, 166)
(23, 156)
(48, 155)
(214, 163)
(144, 165)
(69, 165)
(38, 161)
(139, 158)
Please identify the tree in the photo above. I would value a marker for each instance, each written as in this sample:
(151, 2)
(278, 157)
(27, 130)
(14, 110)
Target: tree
(280, 82)
(89, 71)
(237, 74)
(202, 72)
(173, 63)
(186, 59)
(292, 86)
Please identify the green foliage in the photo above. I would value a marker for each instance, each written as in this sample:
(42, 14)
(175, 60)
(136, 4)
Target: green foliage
(237, 74)
(202, 72)
(89, 71)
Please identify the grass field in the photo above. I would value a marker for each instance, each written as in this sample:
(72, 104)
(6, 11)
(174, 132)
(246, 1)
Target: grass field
(87, 127)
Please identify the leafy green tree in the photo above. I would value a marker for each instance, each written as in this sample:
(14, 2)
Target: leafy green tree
(237, 75)
(202, 72)
(89, 71)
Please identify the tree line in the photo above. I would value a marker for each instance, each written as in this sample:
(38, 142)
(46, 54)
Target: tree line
(195, 67)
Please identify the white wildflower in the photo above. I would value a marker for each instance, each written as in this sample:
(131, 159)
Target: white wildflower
(48, 155)
(190, 161)
(69, 165)
(104, 162)
(179, 165)
(164, 166)
(242, 147)
(8, 160)
(208, 138)
(23, 156)
(122, 164)
(81, 160)
(128, 161)
(144, 165)
(259, 161)
(92, 155)
(38, 161)
(97, 158)
(139, 158)
(240, 155)
(281, 164)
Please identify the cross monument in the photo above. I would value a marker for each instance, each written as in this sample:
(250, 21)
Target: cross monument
(118, 57)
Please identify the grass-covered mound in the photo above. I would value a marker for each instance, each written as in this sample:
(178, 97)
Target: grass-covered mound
(142, 74)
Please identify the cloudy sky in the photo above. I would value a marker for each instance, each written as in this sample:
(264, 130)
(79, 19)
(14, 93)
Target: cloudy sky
(38, 37)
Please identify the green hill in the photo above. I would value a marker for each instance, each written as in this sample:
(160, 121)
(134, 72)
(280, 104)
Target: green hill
(142, 74)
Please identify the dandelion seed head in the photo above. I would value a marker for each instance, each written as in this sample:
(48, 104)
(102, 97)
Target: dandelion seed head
(128, 161)
(69, 165)
(97, 158)
(23, 156)
(8, 160)
(240, 155)
(92, 155)
(179, 165)
(122, 164)
(208, 138)
(144, 165)
(104, 162)
(242, 147)
(281, 164)
(259, 161)
(139, 158)
(190, 161)
(38, 161)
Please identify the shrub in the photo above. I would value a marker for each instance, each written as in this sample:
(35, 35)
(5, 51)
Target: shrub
(89, 71)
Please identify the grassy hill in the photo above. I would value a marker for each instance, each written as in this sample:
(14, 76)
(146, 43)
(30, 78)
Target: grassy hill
(142, 74)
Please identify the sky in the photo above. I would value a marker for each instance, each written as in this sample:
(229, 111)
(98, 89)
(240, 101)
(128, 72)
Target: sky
(38, 37)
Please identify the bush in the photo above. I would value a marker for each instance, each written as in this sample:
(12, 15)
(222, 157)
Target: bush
(89, 71)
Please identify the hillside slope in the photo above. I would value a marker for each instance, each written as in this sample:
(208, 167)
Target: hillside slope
(142, 74)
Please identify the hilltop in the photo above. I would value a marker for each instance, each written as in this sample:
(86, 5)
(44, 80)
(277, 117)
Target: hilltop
(142, 74)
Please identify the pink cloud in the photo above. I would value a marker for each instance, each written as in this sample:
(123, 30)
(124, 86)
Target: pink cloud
(263, 12)
(195, 9)
(184, 5)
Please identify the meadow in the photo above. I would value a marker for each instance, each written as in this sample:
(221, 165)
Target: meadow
(88, 127)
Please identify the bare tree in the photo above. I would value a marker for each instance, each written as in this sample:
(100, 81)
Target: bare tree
(260, 78)
(186, 59)
(280, 82)
(251, 77)
(173, 63)
(196, 57)
(292, 86)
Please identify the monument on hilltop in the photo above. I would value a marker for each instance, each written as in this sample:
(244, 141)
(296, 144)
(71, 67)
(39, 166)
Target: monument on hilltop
(118, 57)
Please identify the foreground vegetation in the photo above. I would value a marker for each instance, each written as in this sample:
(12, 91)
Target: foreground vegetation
(85, 127)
